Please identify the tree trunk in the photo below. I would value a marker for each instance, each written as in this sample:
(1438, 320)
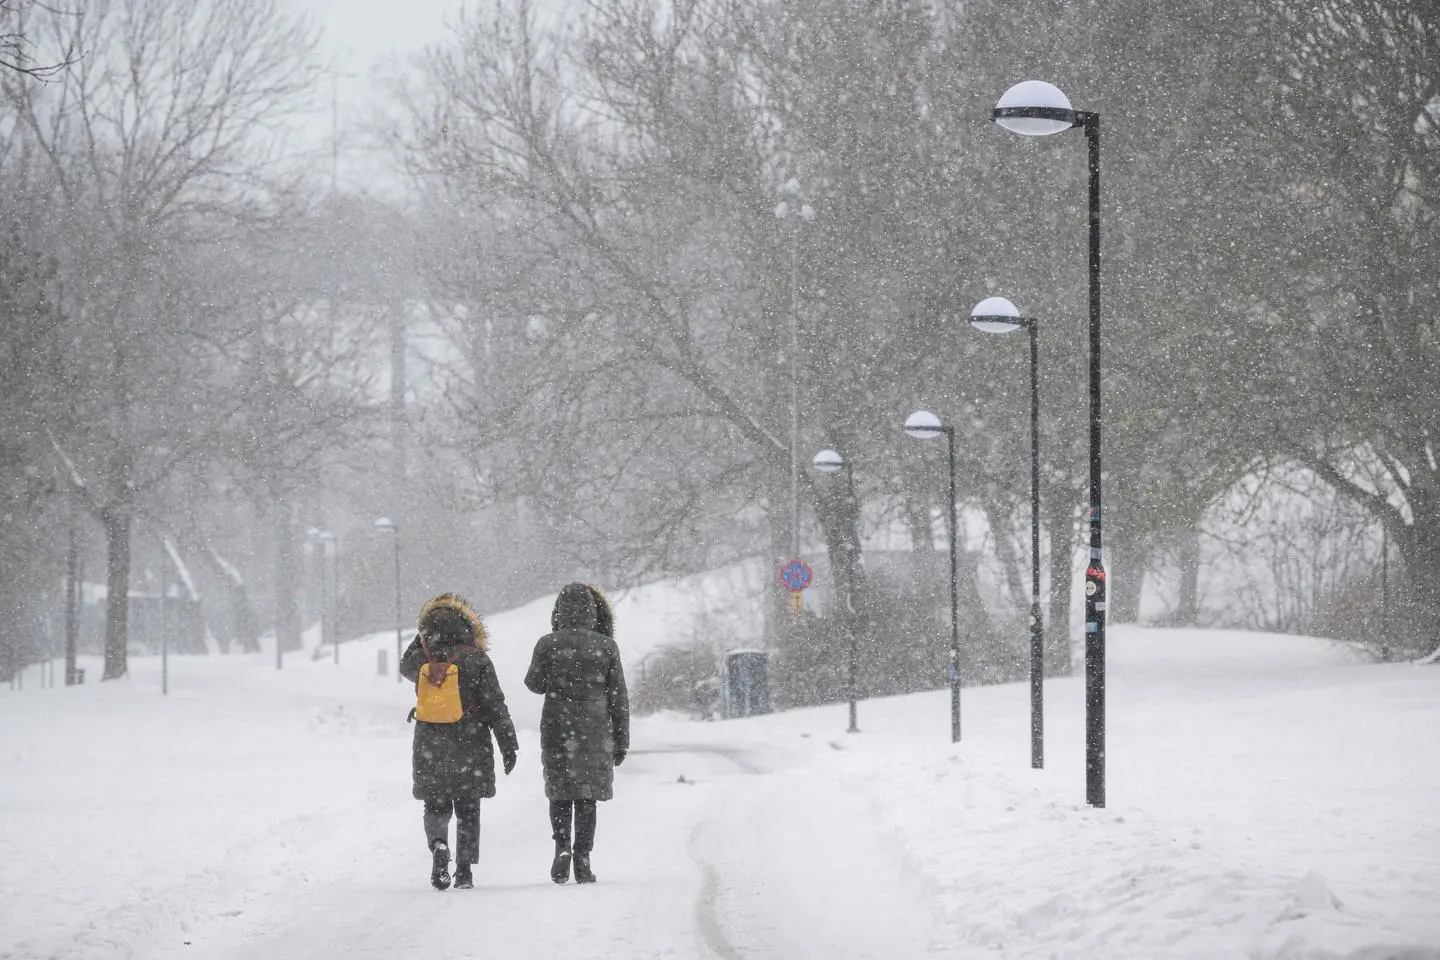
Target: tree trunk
(839, 515)
(399, 429)
(117, 523)
(1015, 567)
(1125, 565)
(985, 657)
(1060, 515)
(287, 582)
(1420, 552)
(1187, 611)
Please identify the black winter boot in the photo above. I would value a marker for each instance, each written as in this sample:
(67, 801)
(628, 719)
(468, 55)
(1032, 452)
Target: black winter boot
(440, 866)
(463, 878)
(582, 868)
(560, 866)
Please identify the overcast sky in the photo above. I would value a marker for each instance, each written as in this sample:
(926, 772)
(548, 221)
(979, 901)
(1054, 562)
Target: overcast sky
(360, 36)
(361, 33)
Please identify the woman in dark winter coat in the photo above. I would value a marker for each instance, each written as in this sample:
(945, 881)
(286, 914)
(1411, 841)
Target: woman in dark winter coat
(459, 707)
(585, 723)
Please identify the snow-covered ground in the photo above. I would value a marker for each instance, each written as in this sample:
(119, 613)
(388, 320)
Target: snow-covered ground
(1269, 797)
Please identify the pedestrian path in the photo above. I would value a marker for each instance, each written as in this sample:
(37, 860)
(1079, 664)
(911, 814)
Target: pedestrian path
(702, 855)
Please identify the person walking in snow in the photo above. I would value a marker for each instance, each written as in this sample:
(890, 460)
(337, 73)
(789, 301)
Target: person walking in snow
(584, 724)
(458, 707)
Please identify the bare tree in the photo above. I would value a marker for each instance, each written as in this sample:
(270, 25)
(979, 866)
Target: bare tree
(162, 146)
(600, 262)
(15, 56)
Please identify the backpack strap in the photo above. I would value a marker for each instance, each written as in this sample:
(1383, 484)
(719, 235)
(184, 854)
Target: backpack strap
(432, 660)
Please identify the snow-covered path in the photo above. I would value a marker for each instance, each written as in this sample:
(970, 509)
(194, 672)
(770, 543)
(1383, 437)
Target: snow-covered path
(254, 815)
(1255, 782)
(368, 897)
(684, 874)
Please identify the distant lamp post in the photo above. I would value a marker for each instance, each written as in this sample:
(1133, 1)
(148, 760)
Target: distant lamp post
(1037, 109)
(794, 209)
(998, 315)
(386, 525)
(830, 461)
(924, 425)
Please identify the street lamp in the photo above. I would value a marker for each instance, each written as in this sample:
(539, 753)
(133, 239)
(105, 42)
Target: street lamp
(924, 425)
(998, 315)
(793, 207)
(830, 461)
(386, 525)
(1037, 109)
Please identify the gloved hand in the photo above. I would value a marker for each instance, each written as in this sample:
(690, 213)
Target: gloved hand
(619, 756)
(509, 760)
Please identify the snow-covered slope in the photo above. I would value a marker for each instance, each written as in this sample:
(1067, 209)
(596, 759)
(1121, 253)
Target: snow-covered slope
(1269, 797)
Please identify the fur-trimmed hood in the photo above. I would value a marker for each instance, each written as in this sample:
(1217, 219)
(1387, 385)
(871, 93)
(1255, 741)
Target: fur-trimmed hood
(449, 606)
(604, 615)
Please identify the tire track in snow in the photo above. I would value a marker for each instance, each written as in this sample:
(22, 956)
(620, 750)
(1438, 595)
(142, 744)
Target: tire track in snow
(707, 919)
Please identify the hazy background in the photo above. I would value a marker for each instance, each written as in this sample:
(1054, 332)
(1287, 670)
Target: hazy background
(531, 294)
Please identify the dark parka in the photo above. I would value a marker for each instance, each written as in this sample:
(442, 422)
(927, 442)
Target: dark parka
(585, 722)
(457, 760)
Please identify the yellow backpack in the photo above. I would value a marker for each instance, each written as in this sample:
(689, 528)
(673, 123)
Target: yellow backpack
(437, 693)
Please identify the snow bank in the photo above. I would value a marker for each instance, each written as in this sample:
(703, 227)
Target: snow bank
(1316, 926)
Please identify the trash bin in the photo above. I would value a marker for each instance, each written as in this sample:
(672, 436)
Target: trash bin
(747, 683)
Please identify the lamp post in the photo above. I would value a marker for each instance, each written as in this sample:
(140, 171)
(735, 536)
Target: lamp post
(830, 461)
(73, 605)
(312, 535)
(386, 525)
(164, 632)
(998, 315)
(924, 425)
(1384, 592)
(792, 207)
(1036, 109)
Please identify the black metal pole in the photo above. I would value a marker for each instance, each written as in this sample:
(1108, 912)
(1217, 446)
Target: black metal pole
(72, 606)
(851, 620)
(954, 670)
(1037, 624)
(1095, 569)
(280, 638)
(399, 610)
(164, 632)
(282, 531)
(1384, 592)
(335, 601)
(323, 553)
(854, 655)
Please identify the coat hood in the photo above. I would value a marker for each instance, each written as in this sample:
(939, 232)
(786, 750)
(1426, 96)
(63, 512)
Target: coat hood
(575, 608)
(604, 616)
(443, 614)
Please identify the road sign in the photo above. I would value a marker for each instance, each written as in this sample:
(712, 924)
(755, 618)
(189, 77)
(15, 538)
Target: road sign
(796, 575)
